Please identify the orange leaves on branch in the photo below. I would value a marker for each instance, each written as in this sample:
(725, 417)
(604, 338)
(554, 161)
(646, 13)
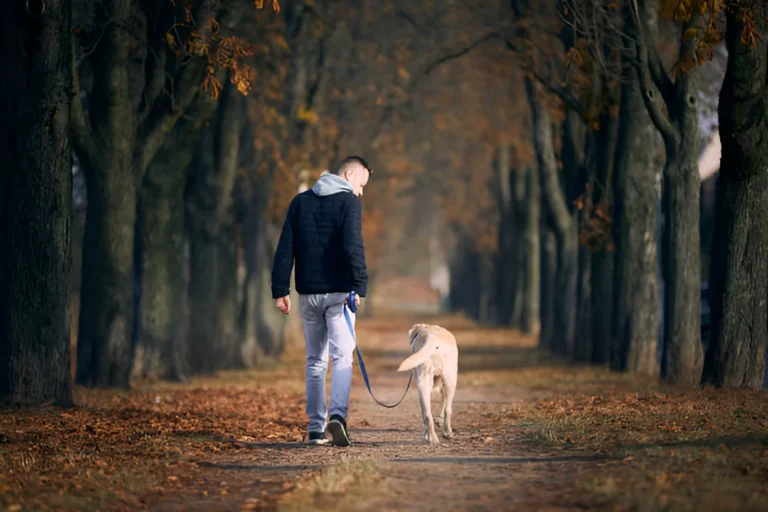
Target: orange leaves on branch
(227, 53)
(750, 33)
(211, 84)
(275, 5)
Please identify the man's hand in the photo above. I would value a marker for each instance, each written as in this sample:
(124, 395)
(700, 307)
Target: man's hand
(357, 300)
(284, 304)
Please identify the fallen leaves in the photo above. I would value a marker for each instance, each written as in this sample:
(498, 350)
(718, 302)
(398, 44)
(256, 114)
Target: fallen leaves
(683, 450)
(116, 446)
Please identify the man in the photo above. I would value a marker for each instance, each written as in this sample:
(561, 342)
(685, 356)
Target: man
(323, 234)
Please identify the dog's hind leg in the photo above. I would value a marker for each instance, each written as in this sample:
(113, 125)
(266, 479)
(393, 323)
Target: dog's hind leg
(449, 390)
(425, 390)
(440, 420)
(439, 386)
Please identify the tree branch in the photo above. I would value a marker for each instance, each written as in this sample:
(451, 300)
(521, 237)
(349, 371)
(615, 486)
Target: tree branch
(565, 94)
(79, 129)
(407, 17)
(649, 86)
(460, 53)
(551, 188)
(164, 110)
(156, 85)
(158, 123)
(654, 108)
(652, 60)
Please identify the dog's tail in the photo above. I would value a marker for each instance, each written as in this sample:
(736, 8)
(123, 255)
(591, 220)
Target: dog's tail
(431, 347)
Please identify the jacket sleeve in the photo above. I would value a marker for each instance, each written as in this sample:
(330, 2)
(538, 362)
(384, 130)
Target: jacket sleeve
(354, 252)
(282, 265)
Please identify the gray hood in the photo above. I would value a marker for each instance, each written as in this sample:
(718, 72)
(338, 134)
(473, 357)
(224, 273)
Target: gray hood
(329, 184)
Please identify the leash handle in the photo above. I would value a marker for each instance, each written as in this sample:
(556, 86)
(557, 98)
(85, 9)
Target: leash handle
(351, 302)
(350, 306)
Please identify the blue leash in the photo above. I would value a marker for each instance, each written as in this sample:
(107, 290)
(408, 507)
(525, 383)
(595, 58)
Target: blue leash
(350, 305)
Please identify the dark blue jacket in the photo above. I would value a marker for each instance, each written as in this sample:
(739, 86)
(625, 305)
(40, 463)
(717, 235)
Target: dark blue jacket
(323, 234)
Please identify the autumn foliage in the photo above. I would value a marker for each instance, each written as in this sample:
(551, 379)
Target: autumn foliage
(125, 449)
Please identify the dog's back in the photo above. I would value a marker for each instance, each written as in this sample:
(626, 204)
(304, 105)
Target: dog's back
(430, 342)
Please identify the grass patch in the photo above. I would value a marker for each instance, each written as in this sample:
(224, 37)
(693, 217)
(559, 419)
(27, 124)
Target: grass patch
(702, 449)
(341, 486)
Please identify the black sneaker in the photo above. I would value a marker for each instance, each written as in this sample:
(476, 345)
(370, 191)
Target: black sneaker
(337, 429)
(317, 438)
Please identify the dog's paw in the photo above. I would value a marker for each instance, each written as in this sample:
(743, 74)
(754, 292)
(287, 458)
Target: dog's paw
(448, 435)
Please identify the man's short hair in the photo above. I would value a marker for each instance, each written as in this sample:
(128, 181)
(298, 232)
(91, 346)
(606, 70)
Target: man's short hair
(352, 159)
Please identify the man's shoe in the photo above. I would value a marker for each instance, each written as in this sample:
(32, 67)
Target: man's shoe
(317, 438)
(337, 429)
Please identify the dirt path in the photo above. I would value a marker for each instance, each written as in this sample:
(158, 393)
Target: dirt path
(389, 467)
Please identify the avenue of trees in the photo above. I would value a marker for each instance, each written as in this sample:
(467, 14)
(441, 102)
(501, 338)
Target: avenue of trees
(150, 149)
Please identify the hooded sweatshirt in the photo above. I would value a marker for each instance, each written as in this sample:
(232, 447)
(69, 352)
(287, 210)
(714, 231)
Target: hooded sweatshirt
(330, 184)
(322, 236)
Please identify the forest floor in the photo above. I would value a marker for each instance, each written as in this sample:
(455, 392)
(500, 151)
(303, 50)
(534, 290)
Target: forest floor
(531, 434)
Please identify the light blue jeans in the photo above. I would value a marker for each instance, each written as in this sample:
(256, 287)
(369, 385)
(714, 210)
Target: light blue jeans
(326, 331)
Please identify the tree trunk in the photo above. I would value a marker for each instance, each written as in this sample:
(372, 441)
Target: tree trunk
(260, 324)
(636, 318)
(162, 329)
(681, 256)
(682, 282)
(739, 270)
(506, 268)
(564, 315)
(603, 257)
(35, 205)
(485, 285)
(602, 274)
(584, 339)
(130, 114)
(209, 220)
(228, 305)
(106, 301)
(203, 298)
(548, 286)
(531, 322)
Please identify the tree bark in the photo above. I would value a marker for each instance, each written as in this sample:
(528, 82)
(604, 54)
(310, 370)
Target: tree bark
(106, 301)
(602, 259)
(129, 115)
(35, 206)
(681, 256)
(202, 233)
(682, 264)
(739, 271)
(531, 322)
(584, 339)
(162, 330)
(228, 305)
(507, 257)
(564, 315)
(636, 289)
(210, 218)
(548, 285)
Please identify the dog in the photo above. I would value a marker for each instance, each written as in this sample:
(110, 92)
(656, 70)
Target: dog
(434, 362)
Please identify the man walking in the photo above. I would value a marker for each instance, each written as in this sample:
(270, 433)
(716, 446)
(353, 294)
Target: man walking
(322, 233)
